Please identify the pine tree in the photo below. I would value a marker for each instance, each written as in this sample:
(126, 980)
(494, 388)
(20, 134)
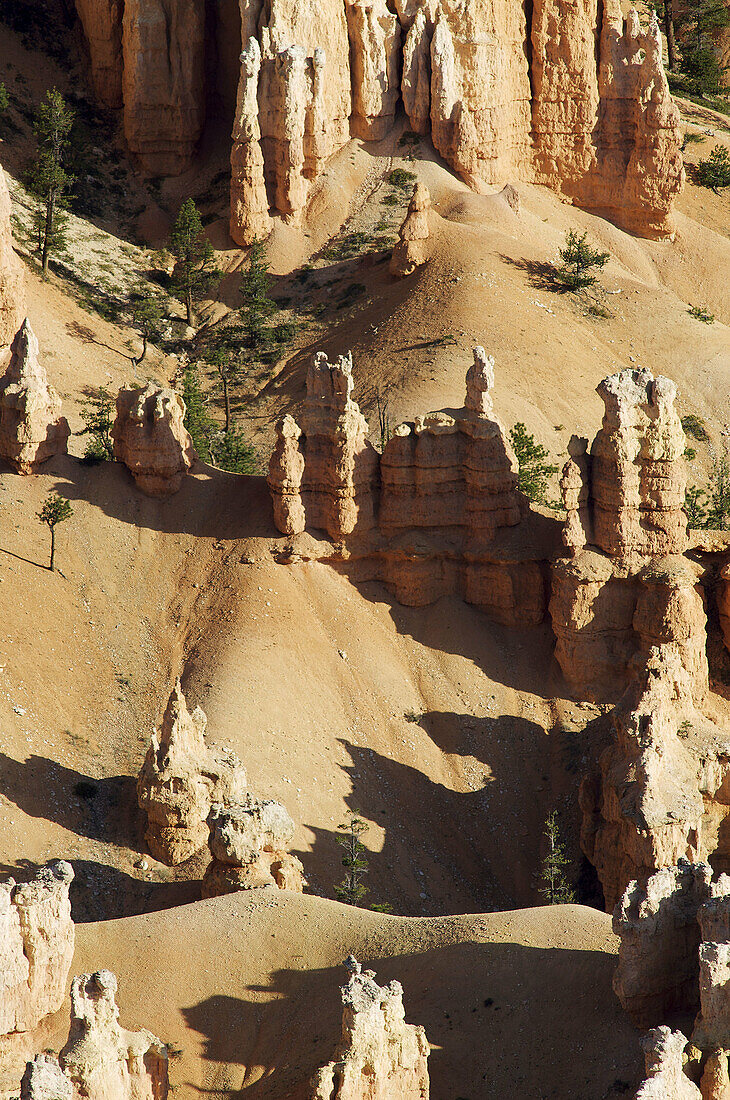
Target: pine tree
(257, 305)
(555, 886)
(714, 171)
(533, 470)
(4, 99)
(55, 510)
(198, 421)
(718, 511)
(97, 414)
(194, 268)
(47, 178)
(699, 24)
(352, 890)
(227, 365)
(578, 259)
(147, 313)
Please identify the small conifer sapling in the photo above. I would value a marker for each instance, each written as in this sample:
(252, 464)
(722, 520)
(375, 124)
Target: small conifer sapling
(56, 509)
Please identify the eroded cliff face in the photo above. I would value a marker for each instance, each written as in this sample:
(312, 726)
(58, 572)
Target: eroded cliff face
(570, 95)
(12, 283)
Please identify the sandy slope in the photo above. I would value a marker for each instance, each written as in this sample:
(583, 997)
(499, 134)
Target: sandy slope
(246, 987)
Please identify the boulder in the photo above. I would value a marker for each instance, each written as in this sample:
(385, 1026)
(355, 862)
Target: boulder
(665, 1076)
(151, 439)
(181, 779)
(45, 1080)
(379, 1055)
(412, 251)
(249, 842)
(32, 429)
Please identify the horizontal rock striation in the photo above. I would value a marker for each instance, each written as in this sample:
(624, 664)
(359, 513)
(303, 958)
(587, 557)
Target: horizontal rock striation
(379, 1055)
(249, 842)
(181, 779)
(32, 429)
(151, 439)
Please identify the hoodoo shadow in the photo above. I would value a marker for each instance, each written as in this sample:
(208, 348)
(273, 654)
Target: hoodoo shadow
(477, 1002)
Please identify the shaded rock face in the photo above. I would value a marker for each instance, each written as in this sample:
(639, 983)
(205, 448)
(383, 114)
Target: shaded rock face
(249, 842)
(625, 586)
(102, 23)
(36, 949)
(32, 429)
(712, 1027)
(656, 922)
(380, 1056)
(151, 439)
(430, 516)
(665, 1077)
(100, 1061)
(659, 793)
(180, 780)
(411, 251)
(12, 282)
(324, 474)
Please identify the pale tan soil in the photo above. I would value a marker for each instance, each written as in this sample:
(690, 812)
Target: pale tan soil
(449, 734)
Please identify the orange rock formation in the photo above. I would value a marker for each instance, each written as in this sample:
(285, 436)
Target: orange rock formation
(151, 439)
(249, 842)
(32, 429)
(12, 283)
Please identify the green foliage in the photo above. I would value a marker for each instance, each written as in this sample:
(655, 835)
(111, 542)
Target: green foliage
(402, 179)
(392, 199)
(718, 510)
(257, 305)
(47, 178)
(233, 453)
(701, 314)
(555, 887)
(352, 890)
(533, 470)
(698, 24)
(691, 138)
(714, 171)
(690, 454)
(56, 509)
(194, 267)
(97, 414)
(578, 259)
(694, 426)
(147, 315)
(694, 507)
(198, 420)
(4, 99)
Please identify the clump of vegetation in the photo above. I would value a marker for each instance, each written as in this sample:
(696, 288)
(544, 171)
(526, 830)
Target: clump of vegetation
(691, 138)
(98, 413)
(194, 268)
(533, 469)
(198, 421)
(694, 426)
(555, 887)
(579, 260)
(4, 99)
(694, 507)
(352, 890)
(56, 509)
(710, 508)
(402, 179)
(700, 313)
(352, 244)
(47, 178)
(714, 171)
(147, 317)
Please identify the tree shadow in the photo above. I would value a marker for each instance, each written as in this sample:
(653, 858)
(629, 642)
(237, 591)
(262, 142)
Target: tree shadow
(103, 810)
(541, 273)
(478, 1001)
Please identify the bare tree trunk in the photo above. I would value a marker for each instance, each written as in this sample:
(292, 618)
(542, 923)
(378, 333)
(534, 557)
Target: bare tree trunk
(189, 307)
(53, 548)
(227, 401)
(671, 39)
(50, 212)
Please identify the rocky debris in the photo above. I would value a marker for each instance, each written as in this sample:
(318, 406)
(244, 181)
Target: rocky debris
(12, 281)
(379, 1054)
(658, 794)
(625, 586)
(656, 922)
(163, 81)
(36, 949)
(102, 23)
(325, 476)
(151, 439)
(250, 220)
(665, 1076)
(249, 842)
(411, 251)
(181, 779)
(100, 1059)
(375, 55)
(32, 429)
